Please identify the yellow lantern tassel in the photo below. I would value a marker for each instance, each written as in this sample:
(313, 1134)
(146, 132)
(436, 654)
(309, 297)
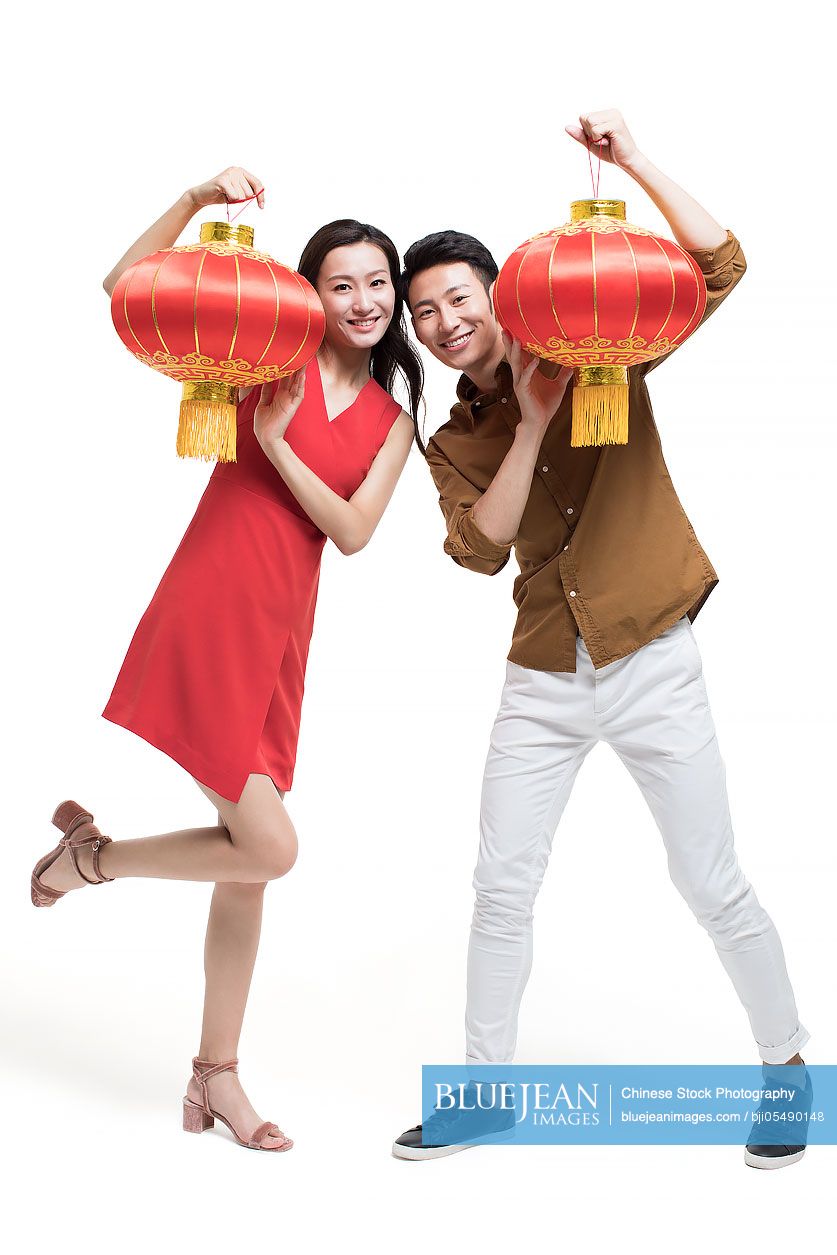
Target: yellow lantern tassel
(207, 426)
(600, 406)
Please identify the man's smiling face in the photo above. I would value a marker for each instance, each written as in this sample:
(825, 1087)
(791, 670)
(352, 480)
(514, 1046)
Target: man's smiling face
(453, 315)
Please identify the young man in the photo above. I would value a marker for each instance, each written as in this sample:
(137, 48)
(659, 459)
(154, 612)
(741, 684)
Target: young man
(611, 578)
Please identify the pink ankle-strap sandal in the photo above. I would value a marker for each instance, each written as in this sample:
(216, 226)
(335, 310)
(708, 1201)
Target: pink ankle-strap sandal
(77, 825)
(196, 1118)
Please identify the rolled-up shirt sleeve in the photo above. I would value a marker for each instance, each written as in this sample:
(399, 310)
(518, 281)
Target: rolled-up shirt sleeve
(465, 543)
(722, 268)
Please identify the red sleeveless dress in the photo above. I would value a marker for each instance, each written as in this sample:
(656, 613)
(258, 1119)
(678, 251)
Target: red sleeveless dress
(215, 672)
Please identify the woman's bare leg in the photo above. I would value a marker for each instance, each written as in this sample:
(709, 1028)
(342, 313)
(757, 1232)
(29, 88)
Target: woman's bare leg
(257, 844)
(232, 941)
(253, 842)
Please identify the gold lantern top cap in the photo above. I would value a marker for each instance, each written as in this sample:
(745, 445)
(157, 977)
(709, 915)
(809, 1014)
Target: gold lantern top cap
(227, 233)
(596, 209)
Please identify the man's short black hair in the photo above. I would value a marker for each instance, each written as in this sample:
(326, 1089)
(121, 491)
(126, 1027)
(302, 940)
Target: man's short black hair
(443, 247)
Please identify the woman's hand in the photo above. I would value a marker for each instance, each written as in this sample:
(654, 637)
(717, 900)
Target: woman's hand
(608, 125)
(234, 183)
(276, 407)
(537, 396)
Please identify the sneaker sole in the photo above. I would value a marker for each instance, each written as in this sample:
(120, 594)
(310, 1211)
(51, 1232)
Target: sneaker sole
(437, 1152)
(426, 1152)
(774, 1161)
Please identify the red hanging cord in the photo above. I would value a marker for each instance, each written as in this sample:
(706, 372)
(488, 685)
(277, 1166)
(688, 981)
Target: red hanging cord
(595, 180)
(241, 201)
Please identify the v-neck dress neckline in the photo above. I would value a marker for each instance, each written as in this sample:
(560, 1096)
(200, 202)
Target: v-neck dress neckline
(331, 421)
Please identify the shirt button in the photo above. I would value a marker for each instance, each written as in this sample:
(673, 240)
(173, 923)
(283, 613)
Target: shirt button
(544, 468)
(504, 400)
(572, 594)
(566, 546)
(569, 509)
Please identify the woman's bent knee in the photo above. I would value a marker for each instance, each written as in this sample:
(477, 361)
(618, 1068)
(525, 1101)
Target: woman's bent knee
(280, 857)
(262, 832)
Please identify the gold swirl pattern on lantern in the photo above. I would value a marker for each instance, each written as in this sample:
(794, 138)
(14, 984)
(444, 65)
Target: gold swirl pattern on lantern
(597, 226)
(598, 350)
(225, 250)
(197, 366)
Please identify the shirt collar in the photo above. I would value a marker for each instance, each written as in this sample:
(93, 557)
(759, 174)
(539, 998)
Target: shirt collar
(473, 401)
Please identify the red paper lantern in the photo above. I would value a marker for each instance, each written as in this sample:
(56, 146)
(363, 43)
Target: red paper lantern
(600, 294)
(217, 316)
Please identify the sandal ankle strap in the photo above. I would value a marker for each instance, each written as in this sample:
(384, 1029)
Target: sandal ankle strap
(203, 1069)
(96, 847)
(95, 840)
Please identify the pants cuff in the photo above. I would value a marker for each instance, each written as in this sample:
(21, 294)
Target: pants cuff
(781, 1054)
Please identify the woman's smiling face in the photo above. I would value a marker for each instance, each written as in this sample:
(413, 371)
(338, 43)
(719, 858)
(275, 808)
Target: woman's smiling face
(356, 289)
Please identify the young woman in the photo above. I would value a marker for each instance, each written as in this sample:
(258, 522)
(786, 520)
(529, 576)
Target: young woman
(214, 673)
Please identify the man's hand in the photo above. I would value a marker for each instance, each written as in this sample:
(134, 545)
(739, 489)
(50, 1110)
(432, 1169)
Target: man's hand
(608, 125)
(537, 396)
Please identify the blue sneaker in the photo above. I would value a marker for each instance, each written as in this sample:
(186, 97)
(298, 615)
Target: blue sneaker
(447, 1132)
(780, 1115)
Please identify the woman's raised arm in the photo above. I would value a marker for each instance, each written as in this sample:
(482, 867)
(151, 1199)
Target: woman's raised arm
(234, 183)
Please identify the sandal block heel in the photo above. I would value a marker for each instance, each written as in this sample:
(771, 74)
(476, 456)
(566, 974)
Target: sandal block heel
(195, 1119)
(79, 830)
(64, 815)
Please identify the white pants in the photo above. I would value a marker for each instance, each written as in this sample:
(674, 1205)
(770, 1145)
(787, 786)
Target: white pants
(652, 708)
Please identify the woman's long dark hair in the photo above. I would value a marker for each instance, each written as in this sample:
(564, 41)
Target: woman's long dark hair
(393, 352)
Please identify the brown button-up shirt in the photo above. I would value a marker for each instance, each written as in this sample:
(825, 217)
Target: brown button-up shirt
(604, 546)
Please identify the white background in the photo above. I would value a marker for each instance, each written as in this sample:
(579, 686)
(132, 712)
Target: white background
(416, 118)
